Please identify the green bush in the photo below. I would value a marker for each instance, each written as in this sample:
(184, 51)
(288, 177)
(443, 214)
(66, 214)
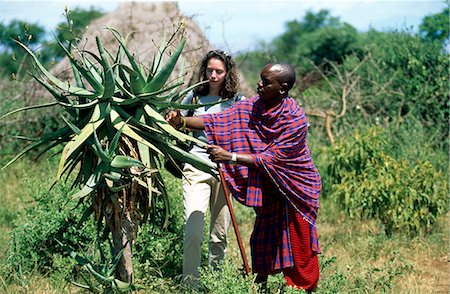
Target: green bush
(367, 182)
(34, 232)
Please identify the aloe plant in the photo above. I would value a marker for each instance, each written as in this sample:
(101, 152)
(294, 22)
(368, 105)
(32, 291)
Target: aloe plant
(115, 134)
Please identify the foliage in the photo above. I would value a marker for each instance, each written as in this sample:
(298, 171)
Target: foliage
(121, 100)
(435, 26)
(369, 183)
(75, 26)
(221, 281)
(395, 79)
(115, 134)
(12, 57)
(317, 37)
(34, 234)
(80, 18)
(415, 75)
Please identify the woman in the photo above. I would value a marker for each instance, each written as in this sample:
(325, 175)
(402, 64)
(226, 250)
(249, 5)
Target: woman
(201, 189)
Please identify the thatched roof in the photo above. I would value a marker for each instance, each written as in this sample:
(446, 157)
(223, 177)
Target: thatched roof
(148, 22)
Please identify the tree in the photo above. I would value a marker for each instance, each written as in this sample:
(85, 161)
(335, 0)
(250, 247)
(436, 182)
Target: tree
(12, 57)
(113, 139)
(316, 38)
(436, 26)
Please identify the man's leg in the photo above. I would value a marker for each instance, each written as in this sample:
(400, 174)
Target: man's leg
(196, 195)
(220, 223)
(305, 273)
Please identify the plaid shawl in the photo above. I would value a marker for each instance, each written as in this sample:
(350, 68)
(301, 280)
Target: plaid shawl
(276, 139)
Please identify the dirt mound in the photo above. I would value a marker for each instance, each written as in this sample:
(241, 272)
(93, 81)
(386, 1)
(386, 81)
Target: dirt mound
(147, 22)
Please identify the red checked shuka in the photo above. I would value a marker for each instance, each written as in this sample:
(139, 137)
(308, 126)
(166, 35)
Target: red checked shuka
(285, 180)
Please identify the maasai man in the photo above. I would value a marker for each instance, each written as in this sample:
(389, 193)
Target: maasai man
(262, 144)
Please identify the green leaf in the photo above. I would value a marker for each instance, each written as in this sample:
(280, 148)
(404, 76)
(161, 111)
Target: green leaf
(59, 97)
(139, 76)
(178, 96)
(118, 123)
(109, 82)
(92, 182)
(95, 83)
(97, 118)
(63, 86)
(122, 161)
(161, 122)
(160, 79)
(28, 108)
(63, 132)
(157, 58)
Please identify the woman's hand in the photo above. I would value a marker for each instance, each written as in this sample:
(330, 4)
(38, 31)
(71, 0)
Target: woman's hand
(174, 118)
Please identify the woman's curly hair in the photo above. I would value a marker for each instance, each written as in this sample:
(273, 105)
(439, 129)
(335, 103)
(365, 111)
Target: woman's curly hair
(231, 82)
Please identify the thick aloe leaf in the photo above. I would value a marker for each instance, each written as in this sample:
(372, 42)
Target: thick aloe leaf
(81, 285)
(118, 123)
(98, 149)
(125, 287)
(154, 95)
(108, 72)
(161, 122)
(160, 79)
(145, 156)
(59, 97)
(131, 59)
(177, 96)
(45, 140)
(80, 259)
(92, 182)
(114, 143)
(76, 72)
(157, 58)
(196, 161)
(88, 105)
(93, 81)
(134, 80)
(74, 90)
(135, 123)
(122, 161)
(97, 118)
(91, 66)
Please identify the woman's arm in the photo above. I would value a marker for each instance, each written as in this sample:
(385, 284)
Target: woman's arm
(175, 119)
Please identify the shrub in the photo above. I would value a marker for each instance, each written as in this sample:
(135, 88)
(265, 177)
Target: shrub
(35, 231)
(367, 182)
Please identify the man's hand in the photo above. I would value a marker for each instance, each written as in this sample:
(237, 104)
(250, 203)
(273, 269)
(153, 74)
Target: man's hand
(218, 154)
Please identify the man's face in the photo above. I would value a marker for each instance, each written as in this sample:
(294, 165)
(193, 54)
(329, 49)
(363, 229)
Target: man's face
(269, 87)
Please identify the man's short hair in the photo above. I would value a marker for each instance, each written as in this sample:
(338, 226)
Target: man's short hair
(286, 73)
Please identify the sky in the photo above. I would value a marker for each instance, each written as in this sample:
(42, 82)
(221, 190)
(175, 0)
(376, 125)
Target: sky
(238, 26)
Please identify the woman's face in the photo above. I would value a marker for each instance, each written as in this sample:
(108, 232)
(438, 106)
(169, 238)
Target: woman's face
(215, 73)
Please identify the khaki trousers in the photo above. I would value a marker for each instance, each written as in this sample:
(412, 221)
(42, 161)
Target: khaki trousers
(201, 191)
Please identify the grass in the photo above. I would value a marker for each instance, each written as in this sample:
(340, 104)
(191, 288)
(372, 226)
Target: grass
(357, 257)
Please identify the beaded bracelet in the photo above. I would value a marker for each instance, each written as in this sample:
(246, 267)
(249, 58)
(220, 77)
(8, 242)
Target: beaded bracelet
(183, 122)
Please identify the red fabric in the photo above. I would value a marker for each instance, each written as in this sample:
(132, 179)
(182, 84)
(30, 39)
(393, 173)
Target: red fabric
(305, 272)
(277, 140)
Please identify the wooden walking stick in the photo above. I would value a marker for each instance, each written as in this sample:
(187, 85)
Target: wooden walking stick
(233, 220)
